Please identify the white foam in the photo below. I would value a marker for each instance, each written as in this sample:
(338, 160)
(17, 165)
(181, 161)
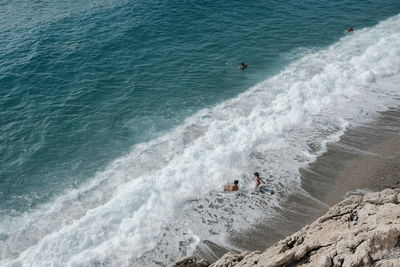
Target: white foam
(158, 202)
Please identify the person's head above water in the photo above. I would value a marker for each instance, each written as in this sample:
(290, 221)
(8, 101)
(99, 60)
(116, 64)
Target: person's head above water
(256, 174)
(232, 187)
(242, 66)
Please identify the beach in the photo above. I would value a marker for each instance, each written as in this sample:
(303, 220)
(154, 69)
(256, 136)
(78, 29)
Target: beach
(365, 159)
(360, 230)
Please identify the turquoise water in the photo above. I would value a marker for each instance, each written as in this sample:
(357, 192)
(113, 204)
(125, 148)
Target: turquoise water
(96, 94)
(83, 82)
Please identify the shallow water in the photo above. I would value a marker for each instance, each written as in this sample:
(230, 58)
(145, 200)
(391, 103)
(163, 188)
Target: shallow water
(120, 120)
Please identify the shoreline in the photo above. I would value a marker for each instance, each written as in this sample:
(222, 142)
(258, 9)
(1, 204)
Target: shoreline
(358, 161)
(361, 230)
(365, 158)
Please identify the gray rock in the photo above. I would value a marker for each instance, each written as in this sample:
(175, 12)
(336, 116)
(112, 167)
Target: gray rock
(362, 230)
(189, 262)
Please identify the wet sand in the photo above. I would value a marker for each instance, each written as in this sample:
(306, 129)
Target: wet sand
(366, 158)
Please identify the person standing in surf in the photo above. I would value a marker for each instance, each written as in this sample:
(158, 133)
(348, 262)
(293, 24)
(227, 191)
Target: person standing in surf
(258, 179)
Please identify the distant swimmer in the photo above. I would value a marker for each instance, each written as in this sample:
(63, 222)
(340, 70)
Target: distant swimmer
(258, 179)
(350, 29)
(232, 187)
(243, 66)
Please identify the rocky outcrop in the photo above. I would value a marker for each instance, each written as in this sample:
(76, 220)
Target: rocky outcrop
(190, 262)
(362, 230)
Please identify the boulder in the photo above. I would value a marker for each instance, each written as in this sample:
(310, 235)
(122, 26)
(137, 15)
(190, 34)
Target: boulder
(189, 262)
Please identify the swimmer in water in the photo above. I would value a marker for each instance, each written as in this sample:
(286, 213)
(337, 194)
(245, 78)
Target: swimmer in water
(232, 187)
(350, 29)
(243, 66)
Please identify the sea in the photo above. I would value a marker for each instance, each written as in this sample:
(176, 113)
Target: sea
(122, 120)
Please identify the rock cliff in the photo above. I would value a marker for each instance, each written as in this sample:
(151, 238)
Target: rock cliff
(362, 230)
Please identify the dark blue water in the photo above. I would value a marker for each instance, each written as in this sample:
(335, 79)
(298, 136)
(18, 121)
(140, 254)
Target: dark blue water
(80, 83)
